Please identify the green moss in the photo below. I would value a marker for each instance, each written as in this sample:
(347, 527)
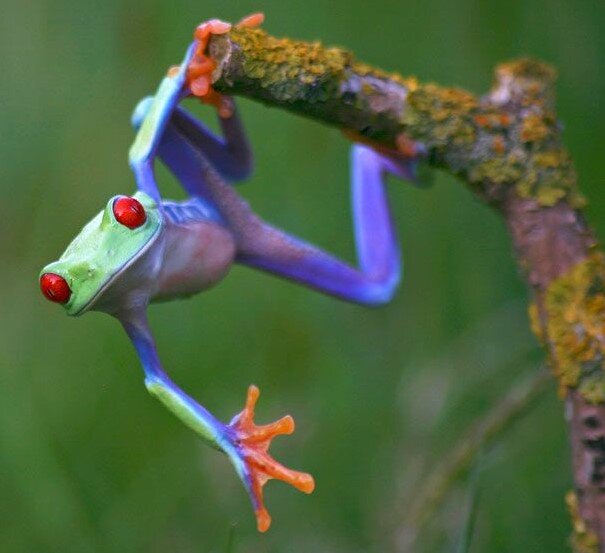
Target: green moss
(549, 177)
(294, 70)
(488, 146)
(498, 170)
(575, 309)
(483, 142)
(285, 66)
(440, 116)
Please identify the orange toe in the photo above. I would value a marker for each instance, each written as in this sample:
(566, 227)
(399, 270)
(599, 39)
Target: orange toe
(252, 20)
(201, 67)
(200, 86)
(406, 146)
(263, 519)
(253, 443)
(211, 27)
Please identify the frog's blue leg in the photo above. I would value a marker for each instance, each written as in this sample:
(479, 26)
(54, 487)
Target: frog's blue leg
(231, 154)
(156, 116)
(378, 252)
(245, 443)
(265, 247)
(159, 384)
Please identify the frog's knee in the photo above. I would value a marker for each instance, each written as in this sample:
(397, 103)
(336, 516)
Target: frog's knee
(141, 111)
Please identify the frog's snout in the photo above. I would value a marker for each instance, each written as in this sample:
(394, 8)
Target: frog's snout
(55, 288)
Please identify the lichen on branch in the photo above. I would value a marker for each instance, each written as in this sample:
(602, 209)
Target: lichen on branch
(507, 148)
(575, 315)
(583, 540)
(492, 143)
(311, 79)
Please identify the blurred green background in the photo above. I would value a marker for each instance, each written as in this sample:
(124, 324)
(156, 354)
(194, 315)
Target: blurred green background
(89, 462)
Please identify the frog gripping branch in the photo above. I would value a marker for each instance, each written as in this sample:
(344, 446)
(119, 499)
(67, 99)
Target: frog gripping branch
(507, 147)
(143, 248)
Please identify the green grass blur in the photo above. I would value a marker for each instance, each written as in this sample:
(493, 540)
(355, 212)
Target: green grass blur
(90, 463)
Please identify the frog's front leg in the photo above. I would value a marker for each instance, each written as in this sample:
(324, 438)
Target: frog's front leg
(245, 443)
(156, 116)
(230, 154)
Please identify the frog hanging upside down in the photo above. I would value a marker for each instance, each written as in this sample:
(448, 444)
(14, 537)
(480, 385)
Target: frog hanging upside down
(143, 248)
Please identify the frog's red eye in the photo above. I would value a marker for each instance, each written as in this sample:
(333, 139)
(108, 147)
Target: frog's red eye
(129, 212)
(55, 288)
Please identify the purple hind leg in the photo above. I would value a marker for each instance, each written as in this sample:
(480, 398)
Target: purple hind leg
(377, 278)
(265, 247)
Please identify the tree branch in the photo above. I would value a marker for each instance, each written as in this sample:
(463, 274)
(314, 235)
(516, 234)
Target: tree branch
(506, 146)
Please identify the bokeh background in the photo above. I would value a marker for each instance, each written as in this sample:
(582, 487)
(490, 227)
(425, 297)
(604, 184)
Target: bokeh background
(89, 462)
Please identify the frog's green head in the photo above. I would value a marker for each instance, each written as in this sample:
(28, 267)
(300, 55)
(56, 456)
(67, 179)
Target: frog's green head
(106, 247)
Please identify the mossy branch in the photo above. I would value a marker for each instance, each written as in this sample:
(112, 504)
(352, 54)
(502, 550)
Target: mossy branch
(506, 146)
(486, 141)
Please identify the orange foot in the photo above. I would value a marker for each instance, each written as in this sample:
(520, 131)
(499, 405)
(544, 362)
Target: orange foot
(252, 443)
(201, 67)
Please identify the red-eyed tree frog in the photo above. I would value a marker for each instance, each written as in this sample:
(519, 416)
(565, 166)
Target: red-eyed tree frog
(142, 248)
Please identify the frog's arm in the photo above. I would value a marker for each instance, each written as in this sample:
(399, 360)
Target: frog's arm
(157, 114)
(244, 442)
(231, 155)
(186, 146)
(263, 246)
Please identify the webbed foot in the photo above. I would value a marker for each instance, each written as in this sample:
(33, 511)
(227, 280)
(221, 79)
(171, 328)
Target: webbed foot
(201, 67)
(252, 20)
(252, 461)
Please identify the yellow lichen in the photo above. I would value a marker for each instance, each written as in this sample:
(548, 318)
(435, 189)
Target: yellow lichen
(486, 143)
(534, 321)
(550, 195)
(549, 176)
(492, 120)
(498, 170)
(283, 64)
(523, 152)
(442, 119)
(575, 310)
(535, 128)
(592, 388)
(582, 539)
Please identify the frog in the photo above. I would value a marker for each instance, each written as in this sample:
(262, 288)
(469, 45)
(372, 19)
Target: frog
(142, 248)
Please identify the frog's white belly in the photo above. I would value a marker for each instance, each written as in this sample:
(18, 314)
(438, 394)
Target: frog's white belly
(197, 255)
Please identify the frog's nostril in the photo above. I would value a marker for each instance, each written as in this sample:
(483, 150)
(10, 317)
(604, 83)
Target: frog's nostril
(55, 288)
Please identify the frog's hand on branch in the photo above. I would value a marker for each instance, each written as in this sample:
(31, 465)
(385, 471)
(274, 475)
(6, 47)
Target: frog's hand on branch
(248, 446)
(201, 66)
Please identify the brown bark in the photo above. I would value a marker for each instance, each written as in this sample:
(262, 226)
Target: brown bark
(507, 147)
(549, 242)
